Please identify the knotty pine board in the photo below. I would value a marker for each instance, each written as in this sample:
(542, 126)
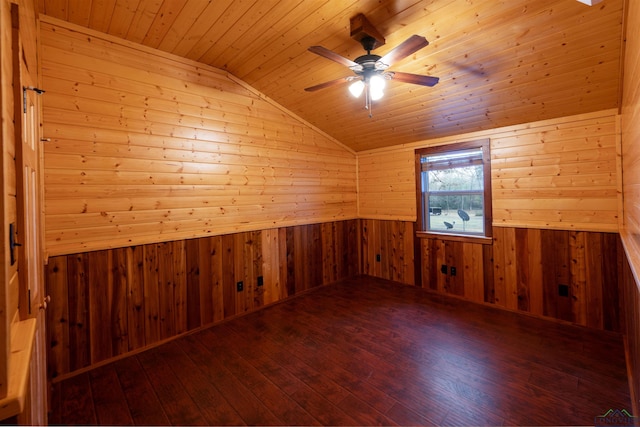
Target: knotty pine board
(631, 134)
(147, 147)
(554, 174)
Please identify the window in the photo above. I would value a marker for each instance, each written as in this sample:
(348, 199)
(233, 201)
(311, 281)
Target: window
(454, 189)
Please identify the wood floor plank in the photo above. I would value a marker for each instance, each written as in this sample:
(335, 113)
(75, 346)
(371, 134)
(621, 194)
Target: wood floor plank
(335, 382)
(331, 391)
(276, 365)
(108, 397)
(406, 417)
(383, 375)
(248, 406)
(77, 406)
(334, 362)
(141, 398)
(271, 396)
(366, 351)
(364, 413)
(177, 404)
(462, 415)
(55, 404)
(211, 402)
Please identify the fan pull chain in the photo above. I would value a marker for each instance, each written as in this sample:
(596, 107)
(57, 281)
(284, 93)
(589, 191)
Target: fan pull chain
(368, 105)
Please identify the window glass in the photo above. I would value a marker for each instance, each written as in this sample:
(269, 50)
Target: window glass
(453, 189)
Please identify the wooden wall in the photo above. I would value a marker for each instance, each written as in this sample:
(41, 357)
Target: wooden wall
(556, 210)
(474, 279)
(107, 303)
(387, 184)
(110, 302)
(630, 233)
(388, 250)
(630, 314)
(554, 174)
(630, 121)
(22, 349)
(524, 269)
(10, 82)
(493, 70)
(148, 147)
(9, 286)
(520, 271)
(166, 185)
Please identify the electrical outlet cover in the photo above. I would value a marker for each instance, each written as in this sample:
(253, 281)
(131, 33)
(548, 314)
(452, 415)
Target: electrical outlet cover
(563, 290)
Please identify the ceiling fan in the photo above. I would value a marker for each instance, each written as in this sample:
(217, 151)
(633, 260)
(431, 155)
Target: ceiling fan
(371, 70)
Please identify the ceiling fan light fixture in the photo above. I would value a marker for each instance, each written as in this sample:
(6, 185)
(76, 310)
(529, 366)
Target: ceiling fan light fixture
(377, 83)
(376, 87)
(356, 88)
(376, 94)
(370, 69)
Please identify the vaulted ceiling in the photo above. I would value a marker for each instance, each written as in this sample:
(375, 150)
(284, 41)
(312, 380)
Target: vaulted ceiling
(499, 62)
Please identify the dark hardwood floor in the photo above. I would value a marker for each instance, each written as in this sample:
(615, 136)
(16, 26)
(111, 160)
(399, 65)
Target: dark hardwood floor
(361, 352)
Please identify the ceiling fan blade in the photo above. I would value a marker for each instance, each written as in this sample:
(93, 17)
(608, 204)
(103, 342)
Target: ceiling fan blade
(328, 84)
(415, 79)
(404, 49)
(326, 53)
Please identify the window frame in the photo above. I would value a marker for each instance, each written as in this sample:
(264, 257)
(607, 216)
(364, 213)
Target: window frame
(484, 144)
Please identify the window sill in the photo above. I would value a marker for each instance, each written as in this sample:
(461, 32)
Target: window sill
(22, 338)
(465, 238)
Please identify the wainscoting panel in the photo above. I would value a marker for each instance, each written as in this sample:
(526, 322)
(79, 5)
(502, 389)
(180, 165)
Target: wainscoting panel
(630, 314)
(559, 274)
(564, 275)
(388, 250)
(107, 303)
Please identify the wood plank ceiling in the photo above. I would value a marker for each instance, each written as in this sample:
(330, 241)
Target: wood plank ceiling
(499, 62)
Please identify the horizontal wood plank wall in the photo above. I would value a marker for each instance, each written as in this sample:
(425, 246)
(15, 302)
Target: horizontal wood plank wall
(387, 185)
(554, 174)
(524, 269)
(109, 302)
(630, 124)
(147, 147)
(562, 175)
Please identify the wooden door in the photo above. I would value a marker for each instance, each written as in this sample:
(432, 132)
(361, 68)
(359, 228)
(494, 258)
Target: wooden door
(28, 182)
(31, 301)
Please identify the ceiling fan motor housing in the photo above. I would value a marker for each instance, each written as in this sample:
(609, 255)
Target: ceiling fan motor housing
(370, 66)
